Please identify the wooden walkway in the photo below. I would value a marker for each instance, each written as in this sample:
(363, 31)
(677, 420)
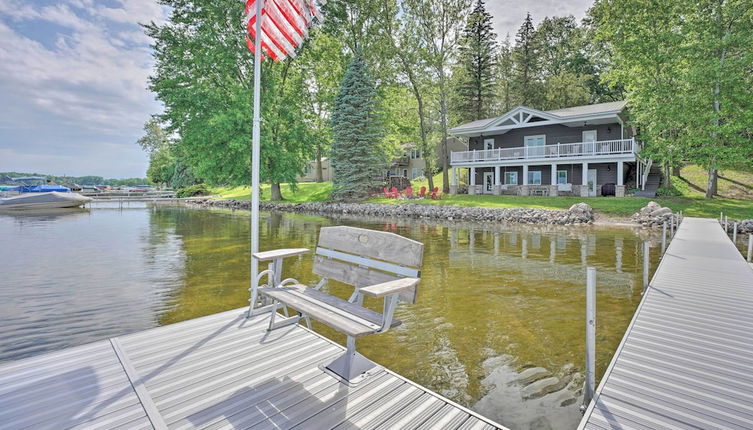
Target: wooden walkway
(686, 361)
(219, 371)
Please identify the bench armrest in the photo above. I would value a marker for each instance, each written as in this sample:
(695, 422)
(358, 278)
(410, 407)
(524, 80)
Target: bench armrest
(279, 253)
(388, 288)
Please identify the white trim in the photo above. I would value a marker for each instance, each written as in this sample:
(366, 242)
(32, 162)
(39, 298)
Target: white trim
(558, 176)
(491, 183)
(583, 135)
(532, 173)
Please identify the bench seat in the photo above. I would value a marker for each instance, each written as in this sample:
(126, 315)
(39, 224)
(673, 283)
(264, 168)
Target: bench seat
(339, 314)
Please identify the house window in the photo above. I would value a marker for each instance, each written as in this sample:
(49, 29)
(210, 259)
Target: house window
(589, 135)
(534, 177)
(488, 144)
(511, 178)
(415, 154)
(535, 145)
(405, 173)
(414, 173)
(561, 176)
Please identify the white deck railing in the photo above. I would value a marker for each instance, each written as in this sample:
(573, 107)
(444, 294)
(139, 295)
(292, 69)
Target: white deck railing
(580, 149)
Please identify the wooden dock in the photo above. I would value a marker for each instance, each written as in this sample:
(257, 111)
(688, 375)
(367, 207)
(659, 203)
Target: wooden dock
(686, 361)
(219, 371)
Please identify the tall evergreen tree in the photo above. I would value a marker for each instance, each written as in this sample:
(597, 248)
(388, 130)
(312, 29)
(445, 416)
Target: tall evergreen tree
(478, 60)
(357, 158)
(525, 55)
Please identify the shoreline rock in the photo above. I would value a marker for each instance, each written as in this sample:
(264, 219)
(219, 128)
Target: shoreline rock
(653, 215)
(578, 214)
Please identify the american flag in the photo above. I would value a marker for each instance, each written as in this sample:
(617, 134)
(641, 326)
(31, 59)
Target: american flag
(284, 25)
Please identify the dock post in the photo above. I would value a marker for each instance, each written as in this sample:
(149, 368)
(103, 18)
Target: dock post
(646, 250)
(726, 230)
(672, 227)
(590, 383)
(734, 232)
(663, 237)
(750, 246)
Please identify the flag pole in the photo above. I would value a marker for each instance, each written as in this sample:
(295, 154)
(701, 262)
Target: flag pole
(255, 149)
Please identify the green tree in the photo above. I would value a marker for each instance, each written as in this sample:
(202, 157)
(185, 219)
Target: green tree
(562, 60)
(476, 90)
(438, 28)
(526, 64)
(357, 158)
(203, 75)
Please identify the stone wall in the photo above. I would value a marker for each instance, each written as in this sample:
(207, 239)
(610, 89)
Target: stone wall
(580, 213)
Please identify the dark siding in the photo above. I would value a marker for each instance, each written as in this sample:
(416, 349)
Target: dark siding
(554, 134)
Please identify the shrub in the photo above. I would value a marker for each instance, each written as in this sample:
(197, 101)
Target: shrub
(193, 190)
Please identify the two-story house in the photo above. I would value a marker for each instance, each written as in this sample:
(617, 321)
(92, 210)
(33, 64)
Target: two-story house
(581, 151)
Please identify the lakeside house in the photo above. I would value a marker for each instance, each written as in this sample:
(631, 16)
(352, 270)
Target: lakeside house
(309, 173)
(412, 162)
(577, 151)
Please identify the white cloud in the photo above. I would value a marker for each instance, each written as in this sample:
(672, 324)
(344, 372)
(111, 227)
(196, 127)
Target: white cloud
(509, 15)
(85, 84)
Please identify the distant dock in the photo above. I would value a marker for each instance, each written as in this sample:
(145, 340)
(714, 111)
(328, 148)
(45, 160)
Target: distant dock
(219, 371)
(686, 361)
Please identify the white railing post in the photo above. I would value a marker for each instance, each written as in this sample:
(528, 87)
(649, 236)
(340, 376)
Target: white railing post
(663, 237)
(646, 252)
(750, 246)
(590, 383)
(734, 233)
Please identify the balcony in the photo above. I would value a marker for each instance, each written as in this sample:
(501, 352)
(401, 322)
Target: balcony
(548, 152)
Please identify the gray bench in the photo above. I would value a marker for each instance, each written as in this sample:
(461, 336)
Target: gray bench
(377, 264)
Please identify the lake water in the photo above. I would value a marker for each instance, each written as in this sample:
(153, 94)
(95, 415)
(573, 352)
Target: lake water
(498, 326)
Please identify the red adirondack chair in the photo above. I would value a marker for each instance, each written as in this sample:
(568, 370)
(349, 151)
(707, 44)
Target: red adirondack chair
(435, 194)
(387, 193)
(395, 192)
(409, 192)
(422, 192)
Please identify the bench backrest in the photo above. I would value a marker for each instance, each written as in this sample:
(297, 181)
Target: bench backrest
(362, 257)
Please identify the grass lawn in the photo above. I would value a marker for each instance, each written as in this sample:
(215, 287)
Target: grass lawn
(305, 192)
(690, 184)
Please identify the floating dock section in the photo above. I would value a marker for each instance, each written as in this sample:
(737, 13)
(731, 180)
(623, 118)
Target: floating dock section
(686, 361)
(219, 371)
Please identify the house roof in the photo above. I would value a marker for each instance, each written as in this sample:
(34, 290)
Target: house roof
(556, 114)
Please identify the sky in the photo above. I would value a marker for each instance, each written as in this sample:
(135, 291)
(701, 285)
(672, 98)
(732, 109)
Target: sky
(73, 80)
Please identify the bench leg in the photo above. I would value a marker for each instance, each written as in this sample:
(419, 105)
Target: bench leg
(351, 366)
(287, 321)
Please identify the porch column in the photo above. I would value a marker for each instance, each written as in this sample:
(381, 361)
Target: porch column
(454, 183)
(584, 190)
(497, 189)
(620, 173)
(472, 180)
(553, 191)
(554, 174)
(525, 174)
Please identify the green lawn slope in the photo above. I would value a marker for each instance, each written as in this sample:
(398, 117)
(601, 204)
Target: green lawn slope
(735, 197)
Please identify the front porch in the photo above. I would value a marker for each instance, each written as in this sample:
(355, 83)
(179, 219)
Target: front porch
(584, 179)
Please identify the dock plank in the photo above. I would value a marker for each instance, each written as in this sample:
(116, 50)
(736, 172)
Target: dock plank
(215, 372)
(686, 359)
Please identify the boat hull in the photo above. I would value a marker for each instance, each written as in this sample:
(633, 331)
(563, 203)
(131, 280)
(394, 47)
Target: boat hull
(50, 200)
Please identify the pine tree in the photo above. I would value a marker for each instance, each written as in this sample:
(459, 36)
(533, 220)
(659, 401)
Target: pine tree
(356, 155)
(525, 56)
(478, 60)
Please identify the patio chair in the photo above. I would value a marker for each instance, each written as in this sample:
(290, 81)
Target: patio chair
(435, 194)
(422, 192)
(376, 264)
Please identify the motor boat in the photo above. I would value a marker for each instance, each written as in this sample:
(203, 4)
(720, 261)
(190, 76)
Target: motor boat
(40, 196)
(43, 200)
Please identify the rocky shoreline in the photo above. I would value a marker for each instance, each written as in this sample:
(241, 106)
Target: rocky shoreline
(578, 214)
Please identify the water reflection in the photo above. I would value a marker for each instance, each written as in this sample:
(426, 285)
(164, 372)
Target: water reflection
(498, 324)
